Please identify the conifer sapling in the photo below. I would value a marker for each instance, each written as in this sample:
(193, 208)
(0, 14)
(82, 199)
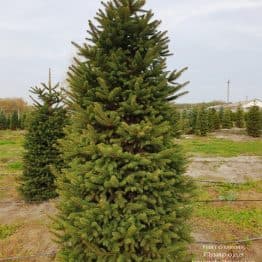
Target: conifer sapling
(41, 153)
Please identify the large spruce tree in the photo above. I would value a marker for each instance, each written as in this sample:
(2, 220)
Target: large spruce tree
(123, 194)
(41, 152)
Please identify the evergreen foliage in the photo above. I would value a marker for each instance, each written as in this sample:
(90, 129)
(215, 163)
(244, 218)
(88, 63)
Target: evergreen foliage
(239, 118)
(211, 119)
(221, 115)
(11, 121)
(46, 127)
(14, 121)
(3, 121)
(123, 195)
(216, 120)
(202, 122)
(184, 122)
(254, 121)
(193, 120)
(227, 122)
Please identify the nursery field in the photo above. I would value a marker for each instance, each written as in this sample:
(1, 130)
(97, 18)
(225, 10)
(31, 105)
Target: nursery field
(233, 161)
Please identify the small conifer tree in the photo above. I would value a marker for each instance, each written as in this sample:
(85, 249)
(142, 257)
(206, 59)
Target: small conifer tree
(193, 120)
(123, 195)
(3, 121)
(227, 122)
(221, 114)
(211, 119)
(184, 122)
(14, 121)
(41, 153)
(239, 118)
(217, 122)
(254, 121)
(203, 121)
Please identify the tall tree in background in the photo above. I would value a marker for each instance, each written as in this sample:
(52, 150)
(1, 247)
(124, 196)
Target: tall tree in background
(254, 121)
(46, 127)
(239, 118)
(123, 195)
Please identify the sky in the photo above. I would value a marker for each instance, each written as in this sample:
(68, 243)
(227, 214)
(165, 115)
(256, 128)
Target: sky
(218, 40)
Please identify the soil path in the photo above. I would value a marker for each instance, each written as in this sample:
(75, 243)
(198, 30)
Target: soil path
(234, 169)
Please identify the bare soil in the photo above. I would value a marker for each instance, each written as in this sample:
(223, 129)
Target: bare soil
(234, 134)
(234, 169)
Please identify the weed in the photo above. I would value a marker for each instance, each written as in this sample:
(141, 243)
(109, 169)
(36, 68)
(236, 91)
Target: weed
(7, 230)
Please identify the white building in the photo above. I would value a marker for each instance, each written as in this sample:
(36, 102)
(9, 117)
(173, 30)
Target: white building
(245, 105)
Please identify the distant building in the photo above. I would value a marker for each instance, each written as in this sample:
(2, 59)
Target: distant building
(245, 105)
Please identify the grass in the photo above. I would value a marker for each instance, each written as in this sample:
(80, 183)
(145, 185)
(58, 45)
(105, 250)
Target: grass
(236, 216)
(246, 219)
(208, 146)
(6, 142)
(11, 148)
(255, 186)
(15, 165)
(7, 230)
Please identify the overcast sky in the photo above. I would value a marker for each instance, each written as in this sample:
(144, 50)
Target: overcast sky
(217, 39)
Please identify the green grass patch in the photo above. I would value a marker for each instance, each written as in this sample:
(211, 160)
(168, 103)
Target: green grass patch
(255, 186)
(11, 149)
(7, 142)
(15, 166)
(227, 191)
(221, 147)
(7, 230)
(250, 218)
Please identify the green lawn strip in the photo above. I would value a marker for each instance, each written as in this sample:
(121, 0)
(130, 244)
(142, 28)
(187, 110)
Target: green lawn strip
(15, 166)
(250, 186)
(208, 146)
(245, 218)
(7, 230)
(227, 191)
(11, 148)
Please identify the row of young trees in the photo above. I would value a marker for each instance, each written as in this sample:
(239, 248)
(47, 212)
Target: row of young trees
(123, 195)
(12, 120)
(200, 121)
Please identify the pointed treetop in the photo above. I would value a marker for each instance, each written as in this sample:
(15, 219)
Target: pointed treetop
(49, 78)
(47, 94)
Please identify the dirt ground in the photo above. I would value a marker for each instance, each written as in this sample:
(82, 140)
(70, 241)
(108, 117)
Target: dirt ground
(234, 134)
(233, 169)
